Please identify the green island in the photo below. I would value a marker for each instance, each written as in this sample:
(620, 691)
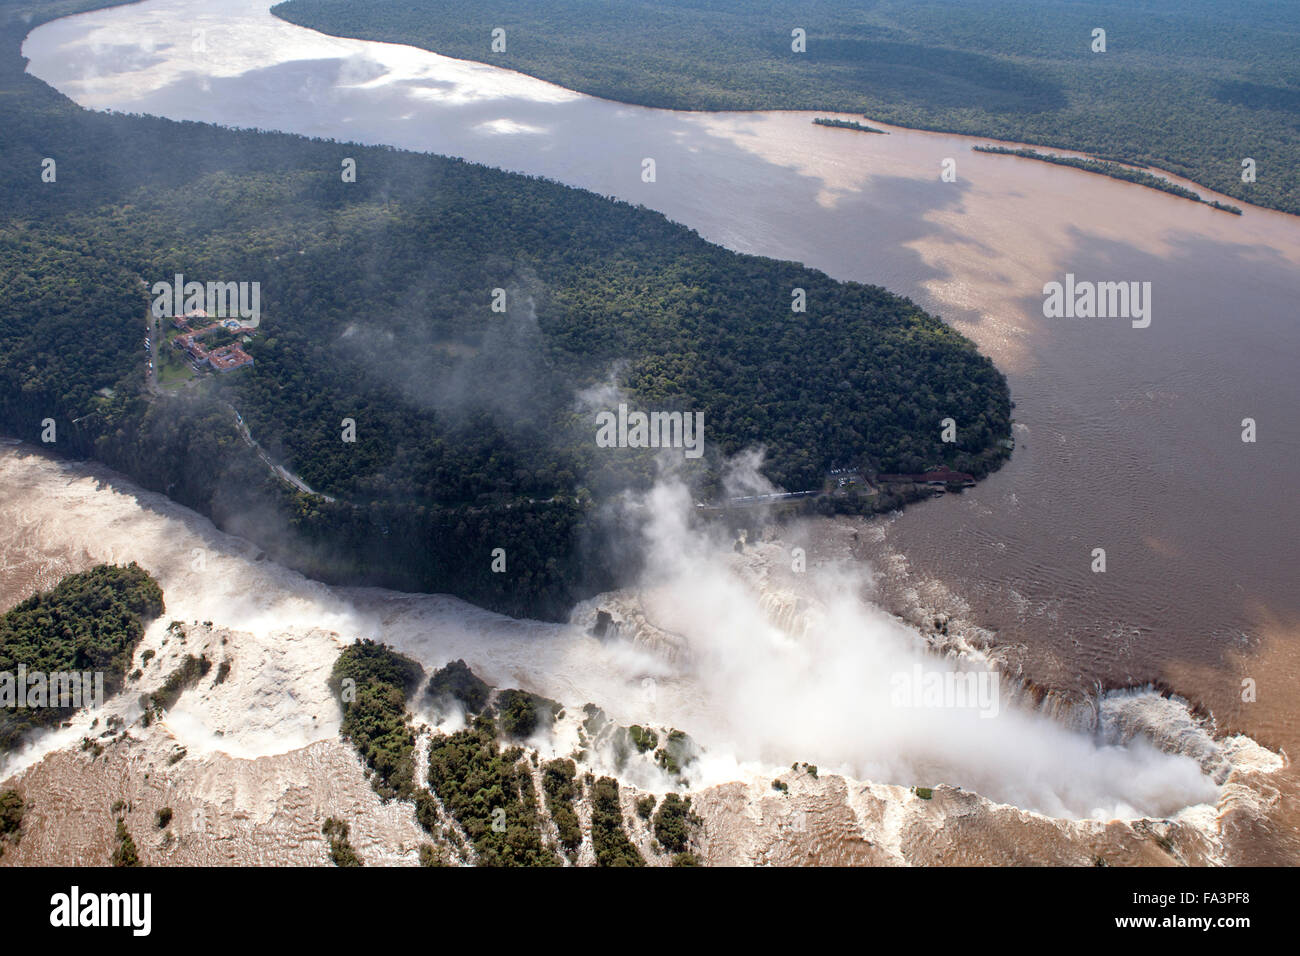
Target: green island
(124, 848)
(1192, 87)
(376, 310)
(610, 840)
(847, 124)
(372, 684)
(88, 623)
(1113, 170)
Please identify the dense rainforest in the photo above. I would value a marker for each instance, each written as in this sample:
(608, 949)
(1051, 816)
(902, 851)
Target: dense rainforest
(89, 622)
(1190, 86)
(474, 429)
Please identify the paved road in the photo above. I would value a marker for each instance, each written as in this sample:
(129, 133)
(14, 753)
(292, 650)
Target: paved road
(153, 330)
(280, 470)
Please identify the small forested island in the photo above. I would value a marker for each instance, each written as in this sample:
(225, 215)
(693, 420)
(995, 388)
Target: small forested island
(88, 622)
(847, 124)
(479, 801)
(1113, 170)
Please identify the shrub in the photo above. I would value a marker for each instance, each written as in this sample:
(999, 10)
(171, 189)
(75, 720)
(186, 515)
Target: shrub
(612, 846)
(518, 713)
(678, 751)
(645, 806)
(186, 675)
(11, 812)
(433, 856)
(558, 785)
(341, 852)
(124, 853)
(673, 822)
(643, 738)
(12, 808)
(457, 682)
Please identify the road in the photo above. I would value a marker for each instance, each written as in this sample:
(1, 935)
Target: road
(284, 473)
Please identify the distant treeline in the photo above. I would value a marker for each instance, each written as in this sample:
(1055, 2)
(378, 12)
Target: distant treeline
(1113, 170)
(1193, 87)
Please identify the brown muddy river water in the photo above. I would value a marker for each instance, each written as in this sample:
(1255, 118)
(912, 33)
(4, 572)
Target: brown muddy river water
(1128, 439)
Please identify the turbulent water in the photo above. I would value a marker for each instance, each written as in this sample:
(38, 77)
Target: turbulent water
(755, 688)
(1127, 439)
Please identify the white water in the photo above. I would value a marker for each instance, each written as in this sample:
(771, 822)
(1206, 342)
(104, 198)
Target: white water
(752, 694)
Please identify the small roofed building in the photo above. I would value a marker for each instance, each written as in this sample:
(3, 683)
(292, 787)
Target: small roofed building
(228, 358)
(225, 358)
(190, 344)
